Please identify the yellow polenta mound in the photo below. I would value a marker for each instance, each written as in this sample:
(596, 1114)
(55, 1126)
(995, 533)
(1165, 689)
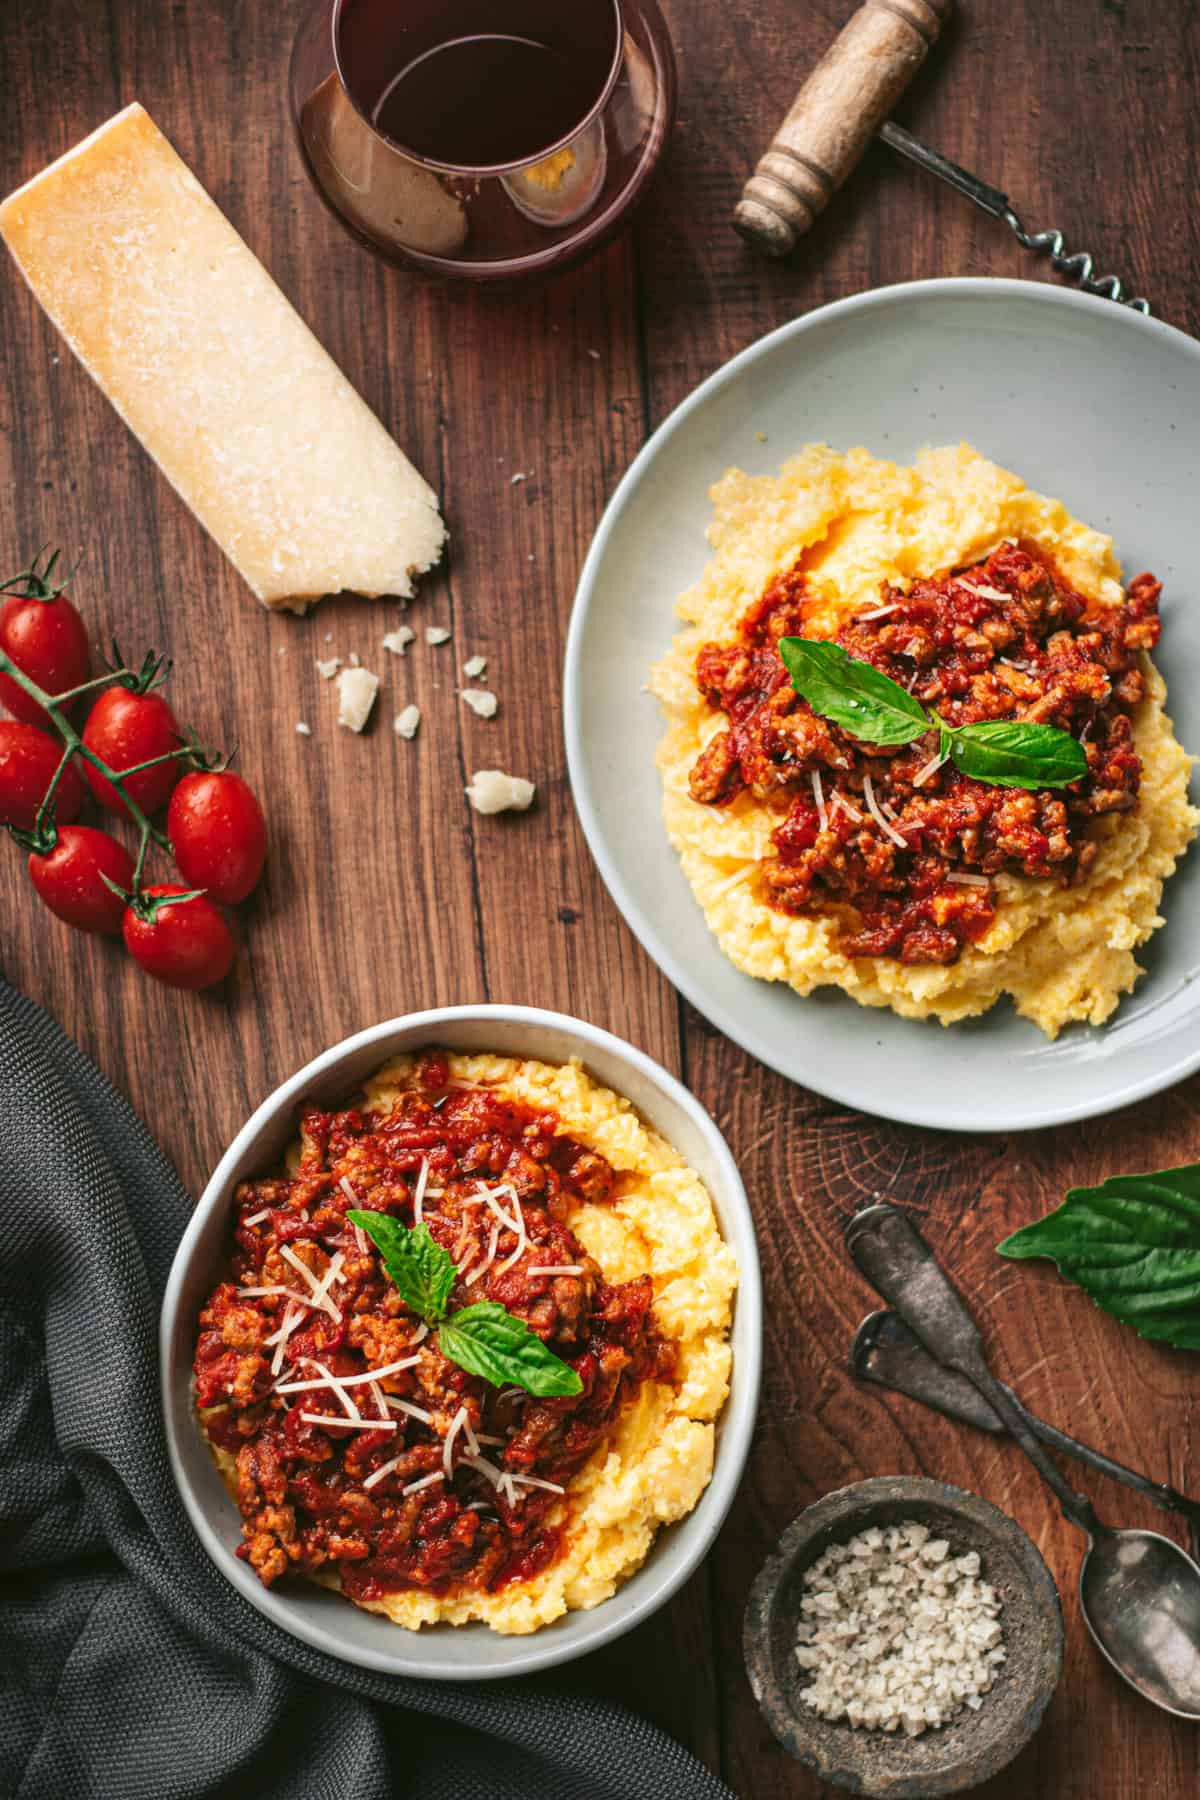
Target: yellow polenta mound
(658, 1460)
(1063, 954)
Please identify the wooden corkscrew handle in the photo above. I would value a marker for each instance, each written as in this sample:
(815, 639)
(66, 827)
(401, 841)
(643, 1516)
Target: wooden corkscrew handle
(835, 115)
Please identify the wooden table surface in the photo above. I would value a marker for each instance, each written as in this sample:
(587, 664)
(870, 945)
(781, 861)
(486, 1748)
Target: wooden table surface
(384, 893)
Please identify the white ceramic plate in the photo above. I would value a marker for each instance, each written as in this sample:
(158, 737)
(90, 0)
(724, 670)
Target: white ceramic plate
(1087, 401)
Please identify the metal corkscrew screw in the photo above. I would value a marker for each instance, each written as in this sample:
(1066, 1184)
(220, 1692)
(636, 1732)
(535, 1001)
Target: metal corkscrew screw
(1078, 265)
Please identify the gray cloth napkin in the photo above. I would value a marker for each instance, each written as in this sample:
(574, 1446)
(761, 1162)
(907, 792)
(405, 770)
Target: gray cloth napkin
(130, 1669)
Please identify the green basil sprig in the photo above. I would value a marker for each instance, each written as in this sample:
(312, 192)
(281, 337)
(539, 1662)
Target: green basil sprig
(484, 1339)
(1133, 1245)
(872, 707)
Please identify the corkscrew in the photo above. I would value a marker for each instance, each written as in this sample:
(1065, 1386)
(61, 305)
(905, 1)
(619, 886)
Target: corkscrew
(844, 105)
(1077, 266)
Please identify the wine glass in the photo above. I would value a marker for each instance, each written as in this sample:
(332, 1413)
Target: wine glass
(482, 138)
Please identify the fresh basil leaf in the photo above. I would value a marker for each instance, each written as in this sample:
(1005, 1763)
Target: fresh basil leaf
(853, 694)
(422, 1271)
(1133, 1244)
(1011, 753)
(486, 1340)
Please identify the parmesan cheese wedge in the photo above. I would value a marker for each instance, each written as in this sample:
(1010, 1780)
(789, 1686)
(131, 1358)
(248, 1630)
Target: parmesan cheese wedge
(246, 415)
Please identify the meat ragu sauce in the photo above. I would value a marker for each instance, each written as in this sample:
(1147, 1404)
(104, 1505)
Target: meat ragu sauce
(305, 1490)
(1004, 639)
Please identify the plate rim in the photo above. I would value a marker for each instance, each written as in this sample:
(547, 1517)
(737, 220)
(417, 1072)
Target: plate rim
(657, 948)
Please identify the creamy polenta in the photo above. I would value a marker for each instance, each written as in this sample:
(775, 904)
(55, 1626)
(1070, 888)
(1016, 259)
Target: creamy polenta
(851, 523)
(654, 1457)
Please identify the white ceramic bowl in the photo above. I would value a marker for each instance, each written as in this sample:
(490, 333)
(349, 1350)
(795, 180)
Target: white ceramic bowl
(323, 1619)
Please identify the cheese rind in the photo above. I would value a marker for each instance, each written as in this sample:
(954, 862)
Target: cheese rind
(205, 359)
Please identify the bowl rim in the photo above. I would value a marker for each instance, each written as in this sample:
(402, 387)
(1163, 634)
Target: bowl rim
(849, 1508)
(516, 1655)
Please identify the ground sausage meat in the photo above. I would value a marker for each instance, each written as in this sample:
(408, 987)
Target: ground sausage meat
(1007, 638)
(474, 1166)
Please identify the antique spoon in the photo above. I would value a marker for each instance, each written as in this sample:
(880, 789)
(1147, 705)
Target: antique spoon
(1139, 1592)
(887, 1353)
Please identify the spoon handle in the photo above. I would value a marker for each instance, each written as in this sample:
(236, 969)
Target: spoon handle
(886, 1352)
(899, 1264)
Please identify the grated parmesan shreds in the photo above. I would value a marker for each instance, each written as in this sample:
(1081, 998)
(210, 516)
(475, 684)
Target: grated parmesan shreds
(988, 593)
(484, 1467)
(332, 1381)
(258, 1217)
(419, 1195)
(851, 811)
(347, 1187)
(392, 1368)
(732, 881)
(552, 1487)
(332, 1273)
(359, 1424)
(930, 768)
(254, 1293)
(819, 797)
(406, 1406)
(386, 1468)
(291, 1320)
(414, 1487)
(558, 1269)
(888, 830)
(966, 880)
(318, 1297)
(456, 1425)
(489, 1258)
(879, 612)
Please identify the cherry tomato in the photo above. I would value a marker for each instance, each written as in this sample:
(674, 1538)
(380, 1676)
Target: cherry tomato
(68, 878)
(48, 642)
(218, 834)
(186, 945)
(127, 729)
(28, 759)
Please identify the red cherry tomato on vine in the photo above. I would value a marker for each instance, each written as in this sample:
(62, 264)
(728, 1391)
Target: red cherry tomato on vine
(186, 945)
(47, 640)
(218, 834)
(126, 729)
(69, 878)
(28, 759)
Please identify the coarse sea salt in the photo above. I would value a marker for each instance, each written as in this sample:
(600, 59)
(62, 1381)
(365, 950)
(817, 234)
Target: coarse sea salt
(897, 1633)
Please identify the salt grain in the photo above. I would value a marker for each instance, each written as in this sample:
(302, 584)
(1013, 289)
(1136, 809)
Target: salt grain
(897, 1633)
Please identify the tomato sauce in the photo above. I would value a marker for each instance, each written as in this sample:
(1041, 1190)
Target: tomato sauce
(319, 1487)
(895, 847)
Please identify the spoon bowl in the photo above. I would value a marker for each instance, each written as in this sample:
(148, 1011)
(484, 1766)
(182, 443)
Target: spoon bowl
(1140, 1595)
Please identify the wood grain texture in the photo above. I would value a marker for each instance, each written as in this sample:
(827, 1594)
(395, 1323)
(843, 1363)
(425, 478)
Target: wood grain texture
(385, 893)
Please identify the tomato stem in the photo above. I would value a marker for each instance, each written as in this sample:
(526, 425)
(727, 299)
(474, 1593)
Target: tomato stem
(73, 745)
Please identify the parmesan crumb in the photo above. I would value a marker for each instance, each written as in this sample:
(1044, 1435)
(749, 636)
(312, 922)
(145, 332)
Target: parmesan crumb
(357, 689)
(475, 667)
(355, 660)
(896, 1632)
(398, 641)
(405, 723)
(481, 701)
(328, 668)
(437, 634)
(518, 477)
(492, 791)
(303, 729)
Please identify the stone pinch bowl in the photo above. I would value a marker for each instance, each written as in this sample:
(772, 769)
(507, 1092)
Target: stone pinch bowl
(975, 1745)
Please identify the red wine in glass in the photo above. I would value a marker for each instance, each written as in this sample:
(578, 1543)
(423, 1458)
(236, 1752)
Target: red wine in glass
(477, 84)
